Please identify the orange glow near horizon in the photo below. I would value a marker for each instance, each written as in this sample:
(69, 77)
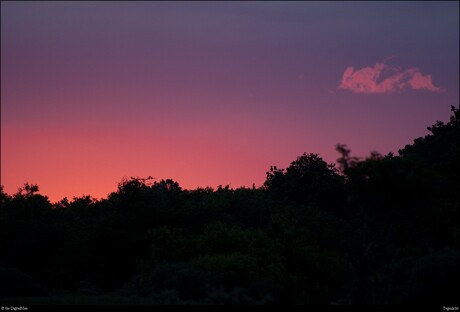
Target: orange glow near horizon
(66, 161)
(79, 156)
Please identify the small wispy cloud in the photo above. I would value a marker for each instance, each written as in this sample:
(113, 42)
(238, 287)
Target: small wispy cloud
(382, 78)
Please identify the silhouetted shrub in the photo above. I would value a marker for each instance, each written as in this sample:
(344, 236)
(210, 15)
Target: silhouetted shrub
(14, 283)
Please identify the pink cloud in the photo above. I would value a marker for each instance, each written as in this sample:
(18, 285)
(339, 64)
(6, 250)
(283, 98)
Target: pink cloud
(382, 78)
(418, 81)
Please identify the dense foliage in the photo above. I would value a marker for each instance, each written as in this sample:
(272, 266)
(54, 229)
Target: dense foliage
(380, 230)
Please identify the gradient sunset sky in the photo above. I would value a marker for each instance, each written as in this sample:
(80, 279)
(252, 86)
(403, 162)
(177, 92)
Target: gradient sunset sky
(210, 93)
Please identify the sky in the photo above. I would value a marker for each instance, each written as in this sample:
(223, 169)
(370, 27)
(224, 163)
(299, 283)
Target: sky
(214, 93)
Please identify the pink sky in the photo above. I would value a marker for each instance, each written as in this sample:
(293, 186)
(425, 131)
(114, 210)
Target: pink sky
(213, 93)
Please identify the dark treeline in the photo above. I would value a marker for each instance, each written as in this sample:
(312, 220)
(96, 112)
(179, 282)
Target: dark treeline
(379, 230)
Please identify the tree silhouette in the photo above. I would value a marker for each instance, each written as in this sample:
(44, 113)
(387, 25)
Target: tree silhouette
(379, 230)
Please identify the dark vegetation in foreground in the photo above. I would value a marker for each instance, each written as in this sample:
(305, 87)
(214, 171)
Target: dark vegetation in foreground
(380, 230)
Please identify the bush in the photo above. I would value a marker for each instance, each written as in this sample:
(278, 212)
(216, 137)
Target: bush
(14, 283)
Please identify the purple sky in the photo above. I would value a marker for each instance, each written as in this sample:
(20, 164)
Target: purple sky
(211, 93)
